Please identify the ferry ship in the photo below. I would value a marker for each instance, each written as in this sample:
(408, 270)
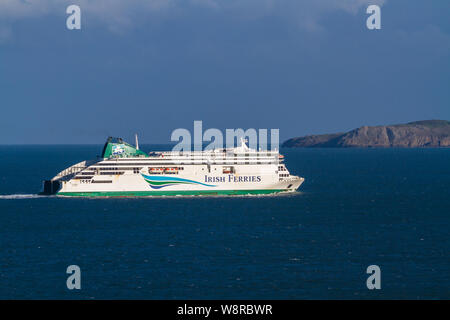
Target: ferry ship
(124, 170)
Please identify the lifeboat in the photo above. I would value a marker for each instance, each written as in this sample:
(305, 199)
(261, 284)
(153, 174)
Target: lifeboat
(228, 170)
(156, 170)
(171, 170)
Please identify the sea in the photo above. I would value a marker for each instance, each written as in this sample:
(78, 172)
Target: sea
(357, 208)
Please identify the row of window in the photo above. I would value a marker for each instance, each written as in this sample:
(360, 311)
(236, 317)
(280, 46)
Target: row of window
(110, 173)
(84, 177)
(175, 162)
(111, 168)
(95, 181)
(223, 155)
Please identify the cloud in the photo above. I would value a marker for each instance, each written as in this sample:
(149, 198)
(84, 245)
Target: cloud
(120, 15)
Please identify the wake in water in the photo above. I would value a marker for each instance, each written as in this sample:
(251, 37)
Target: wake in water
(20, 196)
(37, 196)
(199, 196)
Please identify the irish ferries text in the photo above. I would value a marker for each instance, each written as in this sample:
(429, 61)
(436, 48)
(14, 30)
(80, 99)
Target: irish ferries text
(232, 178)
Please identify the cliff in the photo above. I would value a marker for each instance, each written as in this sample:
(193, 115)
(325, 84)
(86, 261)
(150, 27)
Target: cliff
(428, 133)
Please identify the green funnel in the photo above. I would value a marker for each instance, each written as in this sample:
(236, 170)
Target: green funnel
(117, 148)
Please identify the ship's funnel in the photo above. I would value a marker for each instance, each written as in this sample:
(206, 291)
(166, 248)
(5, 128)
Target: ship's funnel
(117, 148)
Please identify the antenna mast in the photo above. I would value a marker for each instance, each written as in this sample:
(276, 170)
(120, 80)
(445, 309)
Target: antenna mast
(137, 141)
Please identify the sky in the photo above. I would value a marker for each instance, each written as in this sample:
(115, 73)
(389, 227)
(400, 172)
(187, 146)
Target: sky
(152, 66)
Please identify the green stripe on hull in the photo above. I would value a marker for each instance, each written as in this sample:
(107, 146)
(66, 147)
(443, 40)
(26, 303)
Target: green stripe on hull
(167, 193)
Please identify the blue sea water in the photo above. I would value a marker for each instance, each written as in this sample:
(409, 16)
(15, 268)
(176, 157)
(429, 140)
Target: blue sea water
(357, 207)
